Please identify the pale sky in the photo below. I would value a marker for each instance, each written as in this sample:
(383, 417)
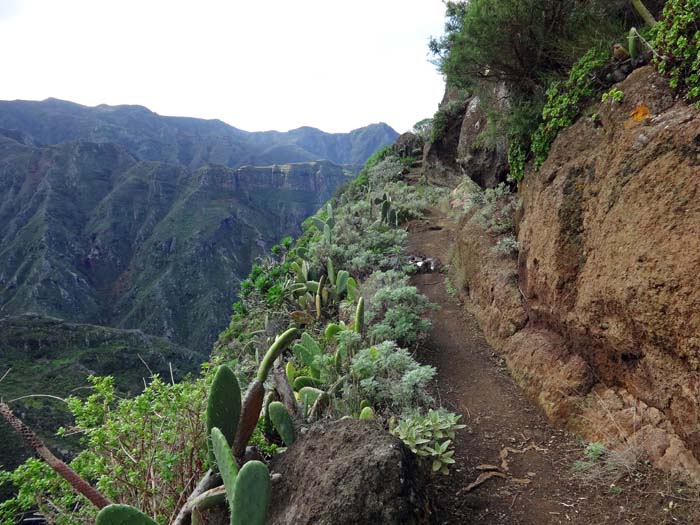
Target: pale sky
(257, 65)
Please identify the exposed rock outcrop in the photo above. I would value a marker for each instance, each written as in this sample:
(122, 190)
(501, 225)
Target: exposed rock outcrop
(601, 325)
(347, 472)
(462, 150)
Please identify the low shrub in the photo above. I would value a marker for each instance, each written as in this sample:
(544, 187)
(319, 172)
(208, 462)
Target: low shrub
(677, 42)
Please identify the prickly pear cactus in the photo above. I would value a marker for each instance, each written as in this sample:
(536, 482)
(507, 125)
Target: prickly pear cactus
(122, 515)
(251, 495)
(283, 423)
(367, 414)
(225, 461)
(224, 404)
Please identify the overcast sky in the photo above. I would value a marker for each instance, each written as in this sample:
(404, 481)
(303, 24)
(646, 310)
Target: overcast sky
(257, 65)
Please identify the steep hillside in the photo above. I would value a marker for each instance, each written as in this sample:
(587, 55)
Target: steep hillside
(48, 356)
(188, 141)
(92, 234)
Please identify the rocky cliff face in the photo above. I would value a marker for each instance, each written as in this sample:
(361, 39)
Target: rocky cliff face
(599, 319)
(92, 234)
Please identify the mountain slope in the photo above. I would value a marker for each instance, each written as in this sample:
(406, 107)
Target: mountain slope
(90, 233)
(46, 355)
(189, 141)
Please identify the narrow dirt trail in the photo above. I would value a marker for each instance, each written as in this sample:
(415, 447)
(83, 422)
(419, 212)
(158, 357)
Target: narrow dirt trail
(537, 486)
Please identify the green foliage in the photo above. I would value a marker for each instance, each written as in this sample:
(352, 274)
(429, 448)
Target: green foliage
(423, 128)
(516, 161)
(594, 451)
(446, 113)
(122, 515)
(396, 309)
(142, 451)
(521, 42)
(677, 40)
(390, 378)
(430, 436)
(566, 100)
(614, 95)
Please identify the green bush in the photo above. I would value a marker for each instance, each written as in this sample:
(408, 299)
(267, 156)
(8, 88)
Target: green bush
(521, 42)
(395, 308)
(566, 100)
(144, 451)
(677, 40)
(445, 113)
(390, 378)
(430, 436)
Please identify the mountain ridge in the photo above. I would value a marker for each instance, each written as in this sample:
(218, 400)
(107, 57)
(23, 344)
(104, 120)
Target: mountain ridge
(190, 141)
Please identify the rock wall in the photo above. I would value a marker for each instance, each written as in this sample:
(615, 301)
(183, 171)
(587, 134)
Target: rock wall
(601, 322)
(462, 150)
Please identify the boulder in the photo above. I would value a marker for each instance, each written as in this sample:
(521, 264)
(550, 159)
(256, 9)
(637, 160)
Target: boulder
(347, 472)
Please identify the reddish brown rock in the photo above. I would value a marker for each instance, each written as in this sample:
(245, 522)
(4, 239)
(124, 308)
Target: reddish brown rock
(608, 283)
(609, 248)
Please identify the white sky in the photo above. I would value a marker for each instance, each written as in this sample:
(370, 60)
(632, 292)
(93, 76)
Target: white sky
(257, 65)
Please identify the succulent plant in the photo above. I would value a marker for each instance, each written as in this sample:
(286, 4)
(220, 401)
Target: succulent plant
(283, 422)
(224, 404)
(122, 515)
(247, 490)
(367, 414)
(253, 402)
(308, 351)
(360, 315)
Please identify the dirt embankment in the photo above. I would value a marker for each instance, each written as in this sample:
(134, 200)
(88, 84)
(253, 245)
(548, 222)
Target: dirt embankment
(599, 318)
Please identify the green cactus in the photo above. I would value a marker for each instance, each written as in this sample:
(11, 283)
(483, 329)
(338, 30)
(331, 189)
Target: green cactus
(360, 315)
(319, 223)
(254, 397)
(279, 346)
(251, 495)
(308, 351)
(223, 405)
(303, 381)
(367, 414)
(352, 288)
(341, 282)
(331, 271)
(392, 218)
(122, 515)
(333, 329)
(364, 404)
(312, 287)
(632, 41)
(308, 395)
(644, 12)
(225, 461)
(319, 295)
(247, 490)
(291, 372)
(282, 421)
